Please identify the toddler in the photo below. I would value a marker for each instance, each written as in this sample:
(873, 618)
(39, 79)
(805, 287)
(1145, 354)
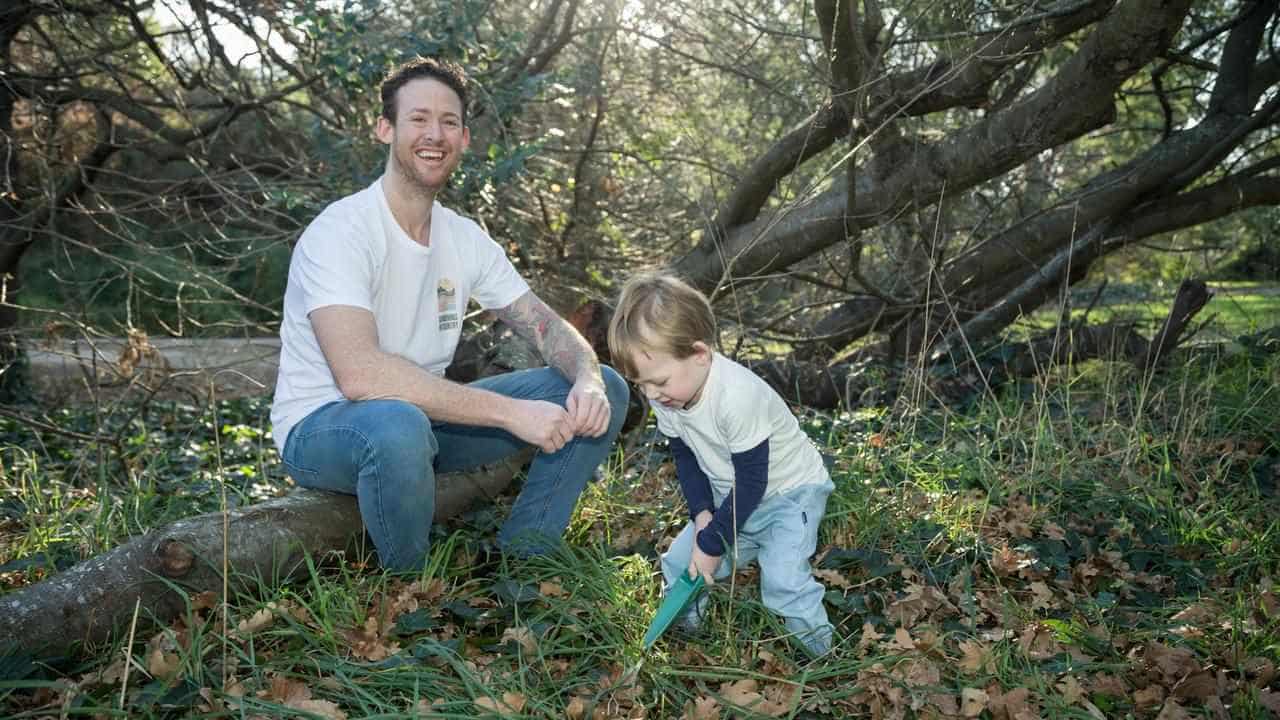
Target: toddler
(755, 485)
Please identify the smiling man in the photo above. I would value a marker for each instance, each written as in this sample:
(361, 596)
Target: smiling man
(378, 284)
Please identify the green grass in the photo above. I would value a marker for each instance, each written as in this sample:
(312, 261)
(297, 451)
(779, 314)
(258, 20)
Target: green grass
(1237, 308)
(1085, 544)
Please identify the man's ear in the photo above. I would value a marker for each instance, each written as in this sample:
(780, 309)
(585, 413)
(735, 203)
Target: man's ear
(385, 131)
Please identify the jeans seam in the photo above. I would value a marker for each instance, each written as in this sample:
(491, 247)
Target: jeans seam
(563, 463)
(381, 516)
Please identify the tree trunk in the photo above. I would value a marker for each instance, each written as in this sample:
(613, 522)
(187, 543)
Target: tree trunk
(268, 543)
(868, 378)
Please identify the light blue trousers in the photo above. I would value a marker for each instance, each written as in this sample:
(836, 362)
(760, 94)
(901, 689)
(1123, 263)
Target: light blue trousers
(386, 453)
(781, 536)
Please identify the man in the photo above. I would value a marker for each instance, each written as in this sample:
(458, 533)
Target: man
(378, 285)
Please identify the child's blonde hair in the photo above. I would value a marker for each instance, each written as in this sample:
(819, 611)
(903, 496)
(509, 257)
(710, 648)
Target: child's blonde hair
(659, 311)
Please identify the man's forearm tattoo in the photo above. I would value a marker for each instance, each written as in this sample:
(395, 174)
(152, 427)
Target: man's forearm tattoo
(560, 345)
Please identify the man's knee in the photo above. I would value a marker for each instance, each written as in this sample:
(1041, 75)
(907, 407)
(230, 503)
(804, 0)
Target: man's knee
(401, 433)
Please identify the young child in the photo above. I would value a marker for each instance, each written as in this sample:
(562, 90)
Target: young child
(753, 481)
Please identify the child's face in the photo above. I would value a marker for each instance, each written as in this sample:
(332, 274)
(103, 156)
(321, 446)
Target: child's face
(670, 381)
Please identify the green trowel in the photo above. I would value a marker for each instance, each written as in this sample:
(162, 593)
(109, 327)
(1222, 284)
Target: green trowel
(678, 597)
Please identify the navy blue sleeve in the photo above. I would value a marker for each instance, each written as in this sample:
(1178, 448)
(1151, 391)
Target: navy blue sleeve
(693, 482)
(750, 479)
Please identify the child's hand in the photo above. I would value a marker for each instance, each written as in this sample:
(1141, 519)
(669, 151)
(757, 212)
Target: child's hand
(703, 564)
(703, 519)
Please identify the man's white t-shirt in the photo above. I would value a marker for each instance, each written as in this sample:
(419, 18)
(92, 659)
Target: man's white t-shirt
(736, 412)
(355, 253)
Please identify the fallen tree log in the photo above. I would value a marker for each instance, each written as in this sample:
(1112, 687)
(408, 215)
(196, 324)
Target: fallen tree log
(868, 378)
(266, 542)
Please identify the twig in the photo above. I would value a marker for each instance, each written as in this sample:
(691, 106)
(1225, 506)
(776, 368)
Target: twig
(128, 650)
(1094, 301)
(41, 425)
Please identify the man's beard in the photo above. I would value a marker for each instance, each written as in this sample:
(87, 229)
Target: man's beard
(413, 181)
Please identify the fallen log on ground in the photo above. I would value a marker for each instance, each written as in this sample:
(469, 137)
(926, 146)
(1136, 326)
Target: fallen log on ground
(267, 542)
(868, 379)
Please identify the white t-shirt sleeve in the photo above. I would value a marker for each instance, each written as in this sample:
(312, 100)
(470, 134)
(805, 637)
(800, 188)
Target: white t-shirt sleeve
(665, 426)
(744, 415)
(496, 283)
(333, 268)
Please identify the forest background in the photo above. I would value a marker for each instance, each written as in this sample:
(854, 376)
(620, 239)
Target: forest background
(1014, 264)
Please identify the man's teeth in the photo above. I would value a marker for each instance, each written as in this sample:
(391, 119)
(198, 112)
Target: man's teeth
(430, 154)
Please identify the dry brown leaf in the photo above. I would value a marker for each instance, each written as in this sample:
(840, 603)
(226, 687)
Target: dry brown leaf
(945, 703)
(427, 708)
(162, 664)
(741, 692)
(833, 578)
(1269, 605)
(1196, 686)
(370, 642)
(1261, 671)
(703, 708)
(1216, 707)
(1199, 613)
(1149, 697)
(430, 591)
(976, 656)
(510, 705)
(774, 666)
(204, 601)
(323, 708)
(1270, 700)
(1005, 561)
(109, 675)
(972, 702)
(928, 641)
(552, 589)
(576, 709)
(209, 703)
(1053, 530)
(1106, 684)
(256, 622)
(559, 668)
(1071, 689)
(1173, 711)
(901, 641)
(295, 694)
(870, 638)
(779, 698)
(1042, 597)
(1013, 705)
(918, 602)
(523, 637)
(1173, 663)
(1038, 643)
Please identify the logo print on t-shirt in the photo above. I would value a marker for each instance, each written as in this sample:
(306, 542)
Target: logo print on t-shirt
(447, 304)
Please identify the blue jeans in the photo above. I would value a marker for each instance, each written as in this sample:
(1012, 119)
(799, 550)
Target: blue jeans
(386, 453)
(781, 535)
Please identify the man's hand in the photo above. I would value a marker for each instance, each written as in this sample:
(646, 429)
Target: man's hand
(703, 564)
(588, 407)
(541, 423)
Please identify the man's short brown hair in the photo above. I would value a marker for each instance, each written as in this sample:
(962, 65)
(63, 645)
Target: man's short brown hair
(659, 311)
(447, 72)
